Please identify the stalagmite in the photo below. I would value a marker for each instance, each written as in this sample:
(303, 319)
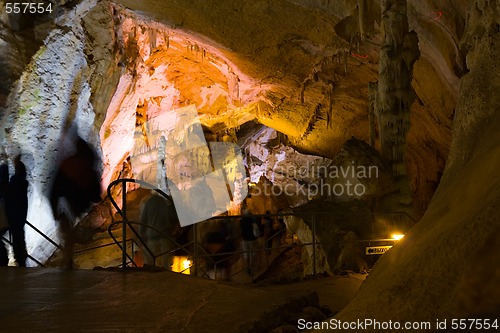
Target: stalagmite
(329, 112)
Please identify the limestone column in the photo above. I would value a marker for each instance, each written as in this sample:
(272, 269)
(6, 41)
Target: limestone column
(399, 52)
(372, 96)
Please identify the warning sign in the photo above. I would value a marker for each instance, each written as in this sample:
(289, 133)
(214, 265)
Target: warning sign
(370, 250)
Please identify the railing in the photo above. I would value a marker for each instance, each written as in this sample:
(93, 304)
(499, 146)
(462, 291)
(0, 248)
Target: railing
(58, 246)
(38, 262)
(126, 224)
(194, 246)
(195, 250)
(9, 241)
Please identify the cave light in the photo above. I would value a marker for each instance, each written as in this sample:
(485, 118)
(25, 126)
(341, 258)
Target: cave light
(397, 236)
(182, 264)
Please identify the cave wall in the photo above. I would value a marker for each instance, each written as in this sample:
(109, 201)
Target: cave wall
(303, 79)
(447, 266)
(53, 100)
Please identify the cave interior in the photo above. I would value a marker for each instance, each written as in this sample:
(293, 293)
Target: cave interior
(355, 120)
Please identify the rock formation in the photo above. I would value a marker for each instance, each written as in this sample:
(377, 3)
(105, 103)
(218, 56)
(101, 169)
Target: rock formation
(398, 54)
(437, 271)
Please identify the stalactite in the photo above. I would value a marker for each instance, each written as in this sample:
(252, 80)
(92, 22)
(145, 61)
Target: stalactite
(141, 119)
(196, 49)
(237, 87)
(161, 171)
(398, 54)
(366, 18)
(166, 38)
(302, 91)
(152, 39)
(361, 18)
(329, 113)
(372, 95)
(345, 61)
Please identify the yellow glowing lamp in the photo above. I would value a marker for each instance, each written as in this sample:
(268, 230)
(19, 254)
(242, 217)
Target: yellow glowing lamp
(182, 265)
(397, 237)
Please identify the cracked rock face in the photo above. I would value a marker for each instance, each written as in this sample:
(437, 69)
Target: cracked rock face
(442, 268)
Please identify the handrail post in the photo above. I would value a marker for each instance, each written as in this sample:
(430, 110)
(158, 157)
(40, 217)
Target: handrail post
(251, 253)
(124, 224)
(314, 243)
(195, 244)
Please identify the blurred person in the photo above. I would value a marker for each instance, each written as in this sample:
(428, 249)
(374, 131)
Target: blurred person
(76, 186)
(4, 224)
(16, 208)
(267, 225)
(281, 228)
(217, 242)
(249, 235)
(159, 226)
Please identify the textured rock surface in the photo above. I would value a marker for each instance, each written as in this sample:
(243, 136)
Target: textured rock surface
(436, 271)
(39, 115)
(308, 66)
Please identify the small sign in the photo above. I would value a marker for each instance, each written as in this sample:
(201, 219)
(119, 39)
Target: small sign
(370, 250)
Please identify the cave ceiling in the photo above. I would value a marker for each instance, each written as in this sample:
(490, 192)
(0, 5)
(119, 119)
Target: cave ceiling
(289, 44)
(299, 67)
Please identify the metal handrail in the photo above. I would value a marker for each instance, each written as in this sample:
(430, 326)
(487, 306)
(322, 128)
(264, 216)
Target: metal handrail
(299, 213)
(38, 262)
(167, 237)
(99, 246)
(44, 235)
(29, 255)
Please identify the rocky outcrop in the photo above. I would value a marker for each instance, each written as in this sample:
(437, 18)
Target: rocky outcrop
(394, 98)
(435, 271)
(51, 99)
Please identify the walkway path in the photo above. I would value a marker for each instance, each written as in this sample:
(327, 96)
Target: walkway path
(53, 300)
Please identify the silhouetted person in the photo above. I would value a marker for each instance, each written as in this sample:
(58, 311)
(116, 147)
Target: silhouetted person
(16, 204)
(217, 242)
(281, 227)
(267, 224)
(248, 238)
(159, 213)
(78, 182)
(4, 183)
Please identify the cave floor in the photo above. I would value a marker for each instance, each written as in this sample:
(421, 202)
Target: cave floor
(56, 300)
